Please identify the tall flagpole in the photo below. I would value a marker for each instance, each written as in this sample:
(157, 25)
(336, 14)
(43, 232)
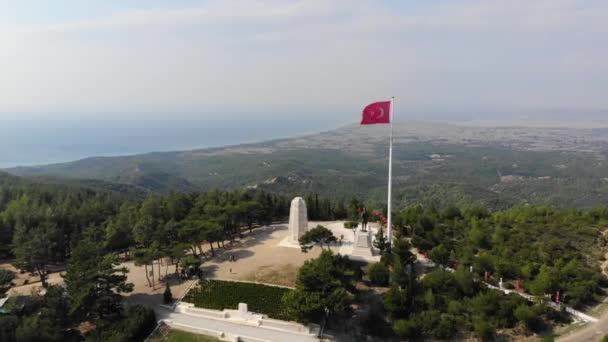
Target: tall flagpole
(389, 226)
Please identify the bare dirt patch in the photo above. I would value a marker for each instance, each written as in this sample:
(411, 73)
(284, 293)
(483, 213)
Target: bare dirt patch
(284, 275)
(26, 283)
(259, 258)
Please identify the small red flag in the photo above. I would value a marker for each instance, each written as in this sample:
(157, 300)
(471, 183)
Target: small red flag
(377, 113)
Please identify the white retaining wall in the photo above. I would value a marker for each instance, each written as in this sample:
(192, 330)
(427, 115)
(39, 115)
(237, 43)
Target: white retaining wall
(214, 333)
(205, 312)
(283, 325)
(248, 318)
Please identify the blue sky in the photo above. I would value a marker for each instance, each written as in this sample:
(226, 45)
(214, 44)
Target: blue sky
(244, 61)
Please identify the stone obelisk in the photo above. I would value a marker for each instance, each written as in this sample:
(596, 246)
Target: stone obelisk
(298, 220)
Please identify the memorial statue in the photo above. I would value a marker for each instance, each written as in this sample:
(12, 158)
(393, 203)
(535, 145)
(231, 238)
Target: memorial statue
(298, 220)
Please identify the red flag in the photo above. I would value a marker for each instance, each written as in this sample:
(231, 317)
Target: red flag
(377, 113)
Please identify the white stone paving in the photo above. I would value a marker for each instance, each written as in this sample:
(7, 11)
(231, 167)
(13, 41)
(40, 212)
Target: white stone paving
(233, 328)
(337, 227)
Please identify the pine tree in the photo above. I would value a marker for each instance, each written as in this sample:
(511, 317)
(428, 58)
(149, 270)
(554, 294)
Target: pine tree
(317, 209)
(33, 248)
(380, 241)
(94, 282)
(167, 295)
(402, 262)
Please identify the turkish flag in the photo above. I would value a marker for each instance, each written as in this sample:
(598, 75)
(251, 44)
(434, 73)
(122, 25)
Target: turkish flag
(377, 113)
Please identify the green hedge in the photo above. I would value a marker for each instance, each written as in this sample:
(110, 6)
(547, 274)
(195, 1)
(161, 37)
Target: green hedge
(220, 295)
(350, 224)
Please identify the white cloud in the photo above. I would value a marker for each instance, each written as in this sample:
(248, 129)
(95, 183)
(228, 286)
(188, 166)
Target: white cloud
(274, 55)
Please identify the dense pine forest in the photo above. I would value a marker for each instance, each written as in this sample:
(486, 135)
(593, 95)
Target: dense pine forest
(546, 250)
(87, 227)
(44, 223)
(542, 249)
(41, 222)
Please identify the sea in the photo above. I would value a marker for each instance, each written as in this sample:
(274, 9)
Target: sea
(40, 141)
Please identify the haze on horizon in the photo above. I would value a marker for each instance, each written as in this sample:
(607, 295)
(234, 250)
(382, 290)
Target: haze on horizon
(114, 77)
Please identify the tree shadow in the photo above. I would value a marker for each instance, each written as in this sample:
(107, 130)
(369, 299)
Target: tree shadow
(227, 255)
(238, 248)
(174, 279)
(259, 235)
(368, 321)
(209, 271)
(151, 300)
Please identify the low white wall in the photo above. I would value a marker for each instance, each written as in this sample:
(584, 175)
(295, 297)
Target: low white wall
(282, 325)
(253, 282)
(248, 318)
(206, 313)
(198, 330)
(250, 339)
(213, 333)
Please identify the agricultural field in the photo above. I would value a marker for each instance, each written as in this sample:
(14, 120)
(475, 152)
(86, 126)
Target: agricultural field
(220, 295)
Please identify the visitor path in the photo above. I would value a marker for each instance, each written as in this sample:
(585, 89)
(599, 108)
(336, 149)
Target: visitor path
(591, 332)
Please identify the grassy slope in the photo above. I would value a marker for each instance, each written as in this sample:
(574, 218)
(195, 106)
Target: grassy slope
(182, 336)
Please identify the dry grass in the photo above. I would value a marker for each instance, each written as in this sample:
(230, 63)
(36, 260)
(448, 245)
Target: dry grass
(284, 275)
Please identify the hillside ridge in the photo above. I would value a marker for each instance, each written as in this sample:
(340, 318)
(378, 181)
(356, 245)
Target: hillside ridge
(433, 162)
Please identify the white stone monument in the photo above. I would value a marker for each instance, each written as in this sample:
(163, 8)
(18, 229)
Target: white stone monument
(362, 246)
(298, 220)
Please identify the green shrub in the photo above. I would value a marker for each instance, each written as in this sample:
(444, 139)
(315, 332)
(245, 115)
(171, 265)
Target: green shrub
(526, 314)
(483, 329)
(351, 224)
(220, 295)
(136, 324)
(190, 263)
(378, 274)
(446, 328)
(6, 280)
(8, 326)
(407, 329)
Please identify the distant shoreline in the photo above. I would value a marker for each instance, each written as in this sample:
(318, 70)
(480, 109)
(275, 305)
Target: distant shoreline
(474, 123)
(597, 124)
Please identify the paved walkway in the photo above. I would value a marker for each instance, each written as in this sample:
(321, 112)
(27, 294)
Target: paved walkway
(232, 328)
(590, 333)
(578, 314)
